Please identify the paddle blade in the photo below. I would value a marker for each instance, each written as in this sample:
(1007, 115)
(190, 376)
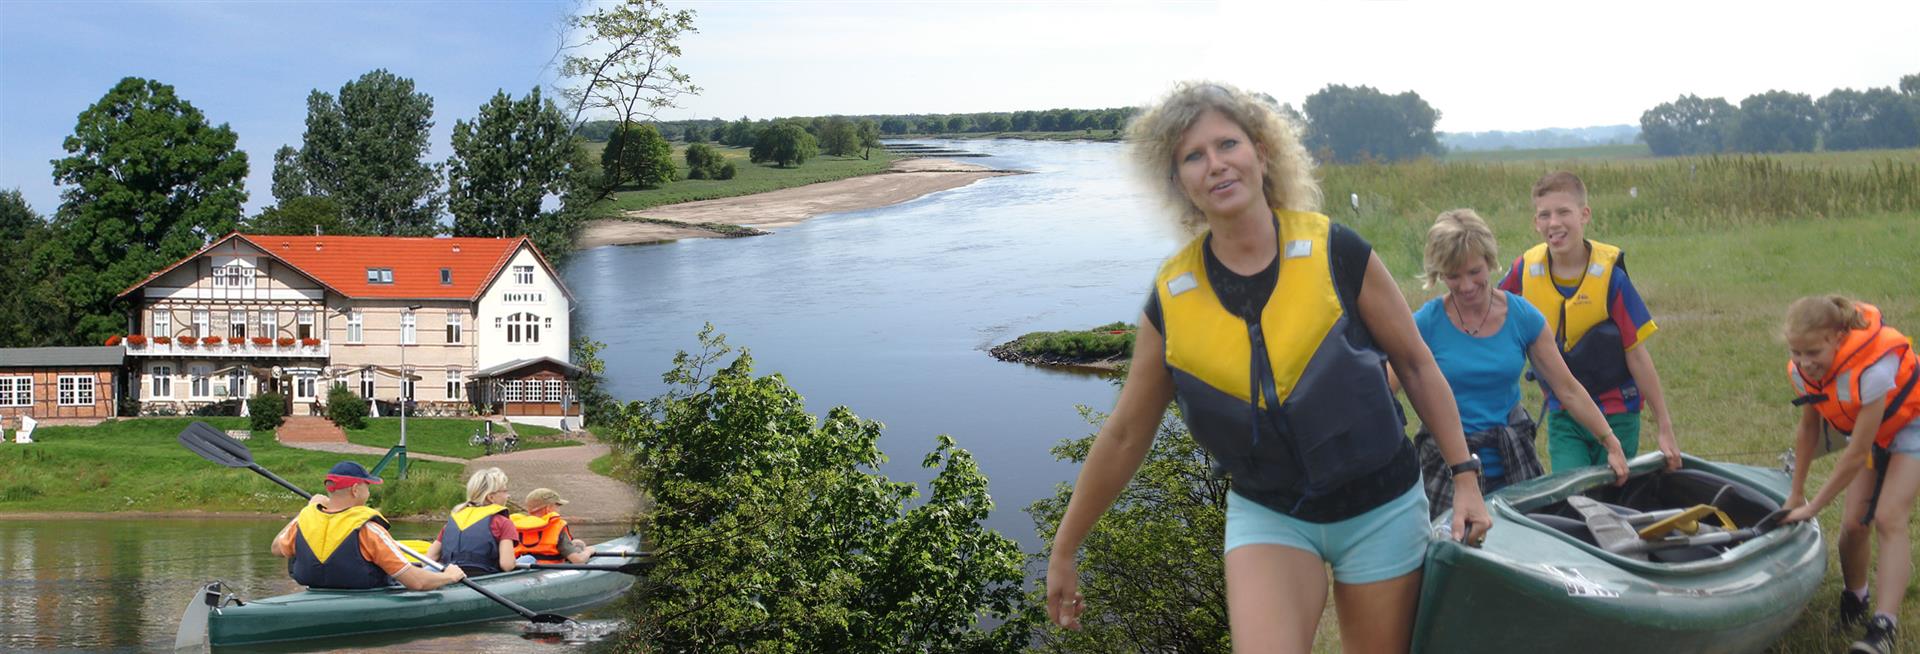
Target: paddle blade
(549, 618)
(215, 446)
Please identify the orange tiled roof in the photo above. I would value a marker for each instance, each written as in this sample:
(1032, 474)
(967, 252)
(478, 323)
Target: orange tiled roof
(341, 263)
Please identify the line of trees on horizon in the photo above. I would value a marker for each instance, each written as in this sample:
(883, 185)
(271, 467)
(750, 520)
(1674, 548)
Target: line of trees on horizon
(1781, 121)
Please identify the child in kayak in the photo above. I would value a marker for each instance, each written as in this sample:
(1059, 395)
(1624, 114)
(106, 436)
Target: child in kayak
(544, 535)
(479, 536)
(1855, 375)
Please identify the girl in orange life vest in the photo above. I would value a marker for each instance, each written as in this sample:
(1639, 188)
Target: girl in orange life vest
(544, 535)
(1855, 374)
(479, 536)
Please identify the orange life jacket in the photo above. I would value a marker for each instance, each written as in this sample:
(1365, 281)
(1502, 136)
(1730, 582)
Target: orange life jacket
(540, 536)
(1837, 394)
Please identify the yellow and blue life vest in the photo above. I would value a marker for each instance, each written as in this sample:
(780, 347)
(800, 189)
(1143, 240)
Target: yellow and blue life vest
(467, 540)
(326, 551)
(1288, 405)
(1589, 340)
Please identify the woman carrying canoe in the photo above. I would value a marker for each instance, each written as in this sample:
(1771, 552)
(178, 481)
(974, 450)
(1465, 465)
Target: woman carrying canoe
(1854, 374)
(1272, 328)
(1481, 341)
(479, 536)
(338, 542)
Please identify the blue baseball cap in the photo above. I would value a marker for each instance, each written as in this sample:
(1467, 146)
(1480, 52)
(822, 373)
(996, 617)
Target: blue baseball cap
(347, 473)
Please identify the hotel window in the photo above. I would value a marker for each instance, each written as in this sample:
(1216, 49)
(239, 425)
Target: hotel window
(523, 328)
(303, 384)
(354, 322)
(453, 327)
(162, 381)
(305, 329)
(455, 382)
(200, 383)
(237, 325)
(76, 390)
(523, 275)
(379, 275)
(366, 383)
(16, 391)
(269, 323)
(162, 322)
(554, 389)
(201, 326)
(408, 328)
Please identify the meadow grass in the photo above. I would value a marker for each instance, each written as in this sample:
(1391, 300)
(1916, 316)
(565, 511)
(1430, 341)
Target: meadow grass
(1616, 151)
(751, 178)
(448, 436)
(136, 464)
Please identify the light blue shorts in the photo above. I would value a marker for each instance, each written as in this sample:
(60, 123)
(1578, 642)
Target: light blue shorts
(1381, 544)
(1906, 442)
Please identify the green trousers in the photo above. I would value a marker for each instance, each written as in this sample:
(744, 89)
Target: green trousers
(1570, 445)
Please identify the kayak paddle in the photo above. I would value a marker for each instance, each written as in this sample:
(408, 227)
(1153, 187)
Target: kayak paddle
(203, 439)
(635, 568)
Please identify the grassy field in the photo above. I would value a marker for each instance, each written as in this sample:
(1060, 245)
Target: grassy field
(752, 178)
(1718, 246)
(136, 465)
(1615, 152)
(447, 436)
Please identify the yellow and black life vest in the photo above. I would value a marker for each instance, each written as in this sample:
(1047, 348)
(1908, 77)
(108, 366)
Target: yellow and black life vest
(1287, 405)
(1589, 340)
(326, 551)
(540, 536)
(467, 540)
(1836, 395)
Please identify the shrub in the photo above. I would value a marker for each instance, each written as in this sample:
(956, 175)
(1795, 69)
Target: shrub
(345, 409)
(266, 411)
(727, 171)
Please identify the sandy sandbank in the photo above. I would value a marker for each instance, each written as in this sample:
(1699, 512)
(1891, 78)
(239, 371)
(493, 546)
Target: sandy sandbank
(905, 180)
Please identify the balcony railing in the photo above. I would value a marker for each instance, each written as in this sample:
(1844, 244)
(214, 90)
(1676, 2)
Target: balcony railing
(228, 350)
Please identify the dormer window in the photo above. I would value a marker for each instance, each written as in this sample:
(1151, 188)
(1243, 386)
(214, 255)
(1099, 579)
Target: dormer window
(446, 276)
(523, 275)
(379, 275)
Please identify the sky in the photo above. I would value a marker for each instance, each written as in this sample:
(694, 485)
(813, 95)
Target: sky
(1484, 65)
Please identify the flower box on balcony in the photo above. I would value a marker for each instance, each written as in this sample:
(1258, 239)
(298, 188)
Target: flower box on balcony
(161, 340)
(137, 340)
(286, 341)
(262, 340)
(113, 340)
(211, 340)
(310, 342)
(188, 340)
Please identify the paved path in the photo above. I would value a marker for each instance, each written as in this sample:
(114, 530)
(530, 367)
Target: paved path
(592, 499)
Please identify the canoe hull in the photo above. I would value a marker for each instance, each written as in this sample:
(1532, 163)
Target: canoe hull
(313, 613)
(1531, 588)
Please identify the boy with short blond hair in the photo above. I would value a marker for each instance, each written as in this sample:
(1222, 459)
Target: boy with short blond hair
(1599, 321)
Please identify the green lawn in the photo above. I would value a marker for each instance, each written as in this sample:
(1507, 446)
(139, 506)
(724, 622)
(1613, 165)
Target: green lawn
(447, 436)
(752, 178)
(137, 465)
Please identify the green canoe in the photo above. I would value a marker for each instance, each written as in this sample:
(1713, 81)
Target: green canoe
(320, 613)
(1575, 575)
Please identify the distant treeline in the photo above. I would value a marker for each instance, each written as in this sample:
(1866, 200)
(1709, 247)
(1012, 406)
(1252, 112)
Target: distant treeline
(1539, 139)
(1052, 120)
(1779, 121)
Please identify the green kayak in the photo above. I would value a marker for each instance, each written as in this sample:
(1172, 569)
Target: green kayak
(321, 613)
(1574, 564)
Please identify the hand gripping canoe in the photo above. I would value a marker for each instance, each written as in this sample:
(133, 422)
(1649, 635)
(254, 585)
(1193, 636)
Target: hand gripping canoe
(215, 446)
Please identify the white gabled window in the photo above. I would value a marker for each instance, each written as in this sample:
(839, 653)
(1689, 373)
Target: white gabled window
(219, 275)
(200, 382)
(162, 381)
(453, 328)
(202, 328)
(162, 322)
(241, 276)
(76, 390)
(523, 275)
(237, 325)
(269, 323)
(409, 327)
(355, 322)
(305, 328)
(16, 391)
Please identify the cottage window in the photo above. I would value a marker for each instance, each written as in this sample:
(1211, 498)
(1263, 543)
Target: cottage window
(76, 390)
(303, 382)
(201, 326)
(162, 381)
(237, 325)
(453, 327)
(269, 323)
(366, 383)
(408, 328)
(554, 390)
(305, 329)
(162, 322)
(354, 323)
(456, 380)
(16, 391)
(200, 382)
(237, 383)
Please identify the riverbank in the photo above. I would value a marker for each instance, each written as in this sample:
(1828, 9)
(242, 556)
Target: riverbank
(905, 180)
(1103, 349)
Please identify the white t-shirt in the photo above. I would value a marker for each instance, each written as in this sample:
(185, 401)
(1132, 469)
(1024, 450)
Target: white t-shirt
(1877, 381)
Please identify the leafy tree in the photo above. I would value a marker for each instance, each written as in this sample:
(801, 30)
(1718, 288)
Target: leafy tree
(1910, 85)
(1777, 121)
(894, 126)
(32, 311)
(629, 74)
(506, 165)
(784, 144)
(1152, 569)
(364, 150)
(639, 155)
(1689, 125)
(727, 171)
(1844, 116)
(839, 137)
(703, 162)
(773, 531)
(305, 214)
(957, 124)
(597, 406)
(1893, 119)
(695, 135)
(742, 133)
(869, 137)
(346, 408)
(148, 181)
(1350, 124)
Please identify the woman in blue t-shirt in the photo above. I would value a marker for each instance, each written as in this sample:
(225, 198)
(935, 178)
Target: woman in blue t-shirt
(1482, 341)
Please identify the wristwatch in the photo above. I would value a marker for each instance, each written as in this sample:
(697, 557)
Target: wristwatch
(1472, 464)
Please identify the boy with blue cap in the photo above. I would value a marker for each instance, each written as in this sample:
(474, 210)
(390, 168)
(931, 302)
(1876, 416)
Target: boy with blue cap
(338, 541)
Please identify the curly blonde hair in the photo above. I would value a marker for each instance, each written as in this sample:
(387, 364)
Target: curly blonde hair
(1456, 238)
(1288, 176)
